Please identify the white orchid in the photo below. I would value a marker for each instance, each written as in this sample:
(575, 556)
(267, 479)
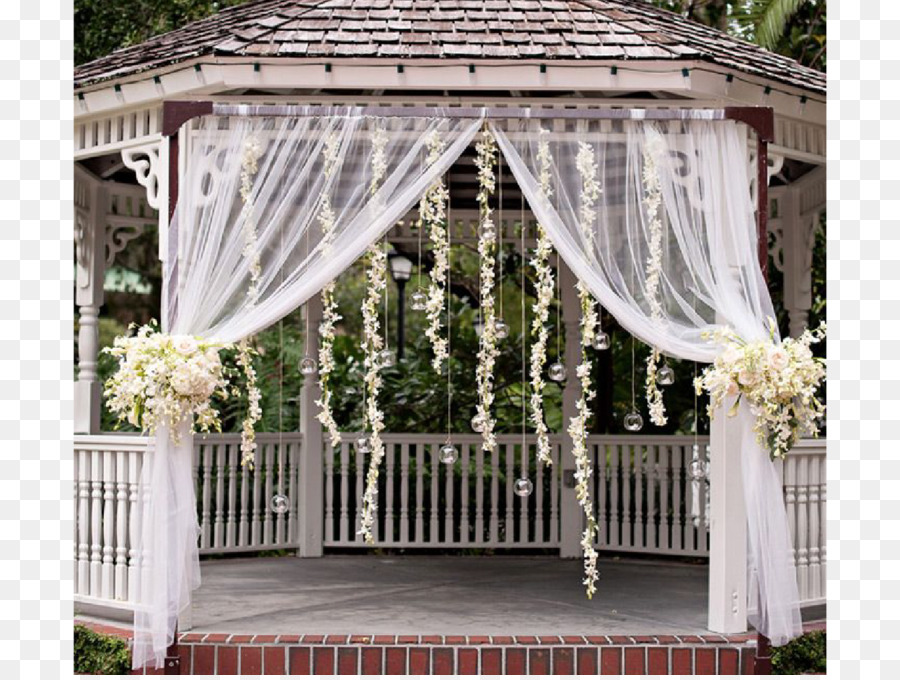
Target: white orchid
(432, 218)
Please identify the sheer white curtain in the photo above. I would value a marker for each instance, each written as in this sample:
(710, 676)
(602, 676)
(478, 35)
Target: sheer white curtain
(214, 276)
(710, 276)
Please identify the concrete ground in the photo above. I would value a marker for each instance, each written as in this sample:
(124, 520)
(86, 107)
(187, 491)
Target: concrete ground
(448, 595)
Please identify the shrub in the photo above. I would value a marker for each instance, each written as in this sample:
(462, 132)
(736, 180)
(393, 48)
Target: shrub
(97, 654)
(806, 654)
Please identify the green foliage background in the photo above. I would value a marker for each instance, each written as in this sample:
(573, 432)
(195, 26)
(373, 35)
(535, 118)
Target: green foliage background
(96, 654)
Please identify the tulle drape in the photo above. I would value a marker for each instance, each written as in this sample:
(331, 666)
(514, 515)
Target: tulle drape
(709, 275)
(214, 276)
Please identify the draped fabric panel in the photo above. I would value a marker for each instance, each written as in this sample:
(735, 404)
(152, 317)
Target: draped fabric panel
(214, 277)
(709, 275)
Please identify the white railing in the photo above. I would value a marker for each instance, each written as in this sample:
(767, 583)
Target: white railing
(645, 500)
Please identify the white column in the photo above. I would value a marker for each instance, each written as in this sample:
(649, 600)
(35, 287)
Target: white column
(570, 514)
(727, 531)
(90, 262)
(309, 506)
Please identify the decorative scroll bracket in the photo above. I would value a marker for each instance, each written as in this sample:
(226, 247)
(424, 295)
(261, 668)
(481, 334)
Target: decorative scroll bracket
(144, 161)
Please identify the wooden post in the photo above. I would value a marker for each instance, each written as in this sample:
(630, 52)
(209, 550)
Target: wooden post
(309, 503)
(570, 515)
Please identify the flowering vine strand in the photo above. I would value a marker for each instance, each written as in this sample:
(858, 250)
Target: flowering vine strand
(432, 215)
(539, 329)
(485, 160)
(373, 343)
(252, 150)
(254, 412)
(330, 316)
(653, 272)
(578, 426)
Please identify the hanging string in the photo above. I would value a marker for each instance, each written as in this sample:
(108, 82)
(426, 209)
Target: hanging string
(558, 310)
(525, 384)
(387, 345)
(633, 401)
(420, 228)
(500, 232)
(449, 355)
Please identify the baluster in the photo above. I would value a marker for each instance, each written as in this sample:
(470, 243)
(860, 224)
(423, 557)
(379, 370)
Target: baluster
(816, 590)
(538, 502)
(640, 456)
(121, 590)
(360, 489)
(665, 538)
(433, 536)
(264, 506)
(245, 511)
(554, 493)
(231, 525)
(96, 523)
(280, 457)
(84, 519)
(404, 493)
(221, 460)
(134, 521)
(479, 495)
(205, 517)
(293, 487)
(615, 509)
(420, 494)
(629, 460)
(449, 474)
(389, 499)
(524, 537)
(652, 543)
(509, 457)
(254, 510)
(495, 493)
(790, 502)
(464, 497)
(678, 476)
(345, 491)
(329, 492)
(691, 487)
(803, 526)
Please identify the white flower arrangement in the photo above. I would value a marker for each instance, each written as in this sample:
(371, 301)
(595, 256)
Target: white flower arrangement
(778, 380)
(578, 426)
(485, 160)
(251, 153)
(166, 380)
(330, 316)
(373, 418)
(653, 273)
(541, 307)
(432, 216)
(254, 411)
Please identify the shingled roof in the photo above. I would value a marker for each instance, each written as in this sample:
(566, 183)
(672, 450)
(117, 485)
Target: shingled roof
(450, 29)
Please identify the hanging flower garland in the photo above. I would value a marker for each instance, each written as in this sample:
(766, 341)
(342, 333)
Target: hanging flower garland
(539, 329)
(653, 272)
(485, 160)
(779, 380)
(590, 192)
(330, 316)
(164, 380)
(432, 214)
(252, 150)
(373, 343)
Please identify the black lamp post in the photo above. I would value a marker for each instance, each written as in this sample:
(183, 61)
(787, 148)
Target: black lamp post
(401, 270)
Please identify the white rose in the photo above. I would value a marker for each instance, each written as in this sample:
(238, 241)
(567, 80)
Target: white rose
(778, 358)
(731, 355)
(184, 344)
(746, 377)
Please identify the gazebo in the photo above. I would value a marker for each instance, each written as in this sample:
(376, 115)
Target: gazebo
(603, 61)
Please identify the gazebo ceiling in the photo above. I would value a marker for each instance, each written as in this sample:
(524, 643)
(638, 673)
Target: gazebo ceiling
(468, 30)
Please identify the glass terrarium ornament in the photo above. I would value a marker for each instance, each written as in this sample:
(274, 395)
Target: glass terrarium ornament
(600, 341)
(448, 454)
(501, 329)
(308, 366)
(279, 504)
(697, 469)
(418, 300)
(665, 375)
(523, 487)
(362, 445)
(633, 421)
(557, 372)
(477, 423)
(386, 358)
(488, 231)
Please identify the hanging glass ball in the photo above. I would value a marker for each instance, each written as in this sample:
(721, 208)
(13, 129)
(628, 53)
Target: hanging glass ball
(308, 366)
(448, 454)
(665, 375)
(279, 504)
(477, 423)
(600, 341)
(697, 470)
(419, 300)
(501, 329)
(488, 231)
(523, 487)
(362, 445)
(386, 358)
(557, 372)
(633, 421)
